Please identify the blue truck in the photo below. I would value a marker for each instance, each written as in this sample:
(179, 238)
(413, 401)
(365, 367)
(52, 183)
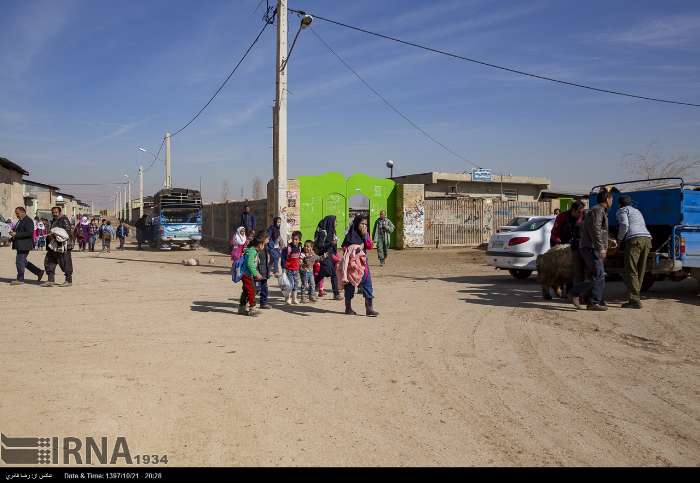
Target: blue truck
(671, 209)
(175, 219)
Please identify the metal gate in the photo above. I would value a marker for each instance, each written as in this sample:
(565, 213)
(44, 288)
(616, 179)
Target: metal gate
(504, 211)
(458, 222)
(472, 221)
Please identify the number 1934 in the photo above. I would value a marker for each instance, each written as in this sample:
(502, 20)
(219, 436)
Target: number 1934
(151, 459)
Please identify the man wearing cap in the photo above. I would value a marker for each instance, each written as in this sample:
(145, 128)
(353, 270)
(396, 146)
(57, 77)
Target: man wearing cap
(636, 241)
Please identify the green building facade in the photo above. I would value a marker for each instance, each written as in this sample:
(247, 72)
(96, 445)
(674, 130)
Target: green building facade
(332, 194)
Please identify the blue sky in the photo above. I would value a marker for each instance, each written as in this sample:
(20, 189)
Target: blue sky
(83, 83)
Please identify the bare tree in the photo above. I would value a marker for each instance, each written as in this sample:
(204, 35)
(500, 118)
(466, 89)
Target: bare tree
(225, 191)
(257, 188)
(652, 164)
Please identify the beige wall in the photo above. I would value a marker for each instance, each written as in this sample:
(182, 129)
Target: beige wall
(525, 192)
(293, 204)
(11, 192)
(45, 199)
(410, 215)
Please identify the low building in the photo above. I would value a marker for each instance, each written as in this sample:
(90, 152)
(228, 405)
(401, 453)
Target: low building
(561, 199)
(11, 187)
(39, 198)
(450, 185)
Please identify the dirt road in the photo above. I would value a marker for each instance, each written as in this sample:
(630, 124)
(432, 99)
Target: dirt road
(465, 366)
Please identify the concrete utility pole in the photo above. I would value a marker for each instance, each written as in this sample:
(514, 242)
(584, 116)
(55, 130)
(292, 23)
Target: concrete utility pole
(168, 183)
(279, 157)
(140, 191)
(119, 204)
(124, 204)
(129, 208)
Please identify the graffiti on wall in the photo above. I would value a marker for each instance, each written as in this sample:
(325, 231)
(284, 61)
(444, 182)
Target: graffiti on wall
(293, 209)
(414, 224)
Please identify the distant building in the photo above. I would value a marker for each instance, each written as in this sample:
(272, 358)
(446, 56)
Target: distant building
(39, 198)
(11, 189)
(449, 185)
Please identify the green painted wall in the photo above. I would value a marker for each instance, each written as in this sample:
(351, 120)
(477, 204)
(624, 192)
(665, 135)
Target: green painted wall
(329, 193)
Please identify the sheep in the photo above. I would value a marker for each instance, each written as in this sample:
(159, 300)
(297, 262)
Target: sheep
(555, 270)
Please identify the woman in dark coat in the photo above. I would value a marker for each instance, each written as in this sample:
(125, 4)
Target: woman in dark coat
(326, 246)
(359, 235)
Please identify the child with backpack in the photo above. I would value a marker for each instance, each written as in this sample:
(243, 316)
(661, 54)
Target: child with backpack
(250, 276)
(106, 234)
(264, 266)
(291, 261)
(122, 233)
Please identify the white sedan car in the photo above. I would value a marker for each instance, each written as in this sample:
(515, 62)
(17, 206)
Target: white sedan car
(517, 250)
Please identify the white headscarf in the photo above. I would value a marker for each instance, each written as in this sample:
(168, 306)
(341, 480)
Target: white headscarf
(84, 220)
(240, 237)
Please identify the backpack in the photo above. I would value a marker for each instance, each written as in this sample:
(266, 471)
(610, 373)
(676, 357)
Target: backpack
(237, 269)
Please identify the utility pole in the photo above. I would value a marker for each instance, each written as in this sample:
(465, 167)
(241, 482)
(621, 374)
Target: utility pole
(140, 191)
(279, 156)
(129, 208)
(168, 166)
(118, 212)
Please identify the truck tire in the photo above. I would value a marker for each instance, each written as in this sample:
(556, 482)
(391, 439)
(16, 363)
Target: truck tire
(520, 274)
(648, 282)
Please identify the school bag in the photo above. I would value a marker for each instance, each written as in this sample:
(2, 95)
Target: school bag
(237, 270)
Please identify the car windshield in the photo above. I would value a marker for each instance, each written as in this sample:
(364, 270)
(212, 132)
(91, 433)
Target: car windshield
(533, 225)
(517, 221)
(181, 216)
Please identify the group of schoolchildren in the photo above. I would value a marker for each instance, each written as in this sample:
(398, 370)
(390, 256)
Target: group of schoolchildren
(86, 233)
(303, 266)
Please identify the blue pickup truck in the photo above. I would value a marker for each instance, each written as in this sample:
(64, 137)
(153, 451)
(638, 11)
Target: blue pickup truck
(671, 209)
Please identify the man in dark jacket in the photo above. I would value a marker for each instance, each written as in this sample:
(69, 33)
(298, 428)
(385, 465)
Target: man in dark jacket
(247, 219)
(141, 231)
(23, 242)
(62, 259)
(594, 249)
(567, 229)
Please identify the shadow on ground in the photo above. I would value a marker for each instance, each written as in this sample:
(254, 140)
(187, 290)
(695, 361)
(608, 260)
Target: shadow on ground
(504, 291)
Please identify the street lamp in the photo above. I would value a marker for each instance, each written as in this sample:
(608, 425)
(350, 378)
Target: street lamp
(390, 165)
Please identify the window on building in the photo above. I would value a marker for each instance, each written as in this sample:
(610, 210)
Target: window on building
(510, 194)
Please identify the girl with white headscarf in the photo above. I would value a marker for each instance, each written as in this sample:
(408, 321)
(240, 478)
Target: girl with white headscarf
(239, 241)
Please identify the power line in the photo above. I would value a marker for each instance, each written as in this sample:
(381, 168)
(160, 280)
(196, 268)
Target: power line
(500, 67)
(391, 106)
(267, 22)
(156, 156)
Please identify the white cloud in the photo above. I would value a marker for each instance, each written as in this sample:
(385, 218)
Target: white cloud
(25, 37)
(671, 31)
